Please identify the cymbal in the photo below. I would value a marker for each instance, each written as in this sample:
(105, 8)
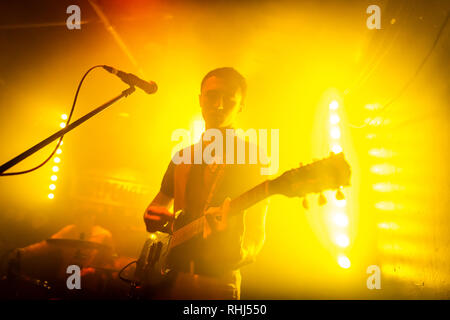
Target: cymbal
(78, 244)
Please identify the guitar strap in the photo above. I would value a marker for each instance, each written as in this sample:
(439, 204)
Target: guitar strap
(196, 178)
(217, 179)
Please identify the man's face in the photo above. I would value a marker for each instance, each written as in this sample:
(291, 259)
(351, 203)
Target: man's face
(220, 102)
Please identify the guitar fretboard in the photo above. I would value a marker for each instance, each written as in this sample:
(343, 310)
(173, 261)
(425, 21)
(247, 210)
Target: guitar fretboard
(237, 205)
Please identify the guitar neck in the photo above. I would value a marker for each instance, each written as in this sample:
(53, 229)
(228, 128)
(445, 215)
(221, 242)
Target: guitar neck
(237, 205)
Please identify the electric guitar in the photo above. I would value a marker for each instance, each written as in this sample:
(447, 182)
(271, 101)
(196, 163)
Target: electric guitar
(326, 174)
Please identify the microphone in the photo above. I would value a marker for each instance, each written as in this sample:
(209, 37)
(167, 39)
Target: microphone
(132, 80)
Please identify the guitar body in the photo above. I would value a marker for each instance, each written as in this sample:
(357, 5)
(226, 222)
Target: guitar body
(157, 281)
(151, 269)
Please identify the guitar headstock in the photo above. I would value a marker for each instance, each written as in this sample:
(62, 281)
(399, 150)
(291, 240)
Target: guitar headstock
(326, 174)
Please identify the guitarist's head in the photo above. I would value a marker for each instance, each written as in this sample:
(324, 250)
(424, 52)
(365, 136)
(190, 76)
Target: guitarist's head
(222, 97)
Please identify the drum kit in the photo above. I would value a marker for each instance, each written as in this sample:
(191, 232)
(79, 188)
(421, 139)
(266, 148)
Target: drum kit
(44, 270)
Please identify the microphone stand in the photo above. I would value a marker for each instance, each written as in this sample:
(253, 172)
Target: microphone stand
(63, 131)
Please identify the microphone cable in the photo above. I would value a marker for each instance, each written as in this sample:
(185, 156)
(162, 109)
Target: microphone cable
(60, 139)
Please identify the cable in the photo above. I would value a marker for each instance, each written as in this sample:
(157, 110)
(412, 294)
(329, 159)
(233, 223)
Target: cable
(377, 58)
(408, 83)
(60, 139)
(123, 269)
(420, 66)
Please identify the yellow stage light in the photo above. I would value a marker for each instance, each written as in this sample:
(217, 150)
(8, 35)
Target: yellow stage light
(342, 240)
(55, 169)
(386, 205)
(58, 151)
(335, 133)
(52, 187)
(344, 262)
(386, 225)
(340, 203)
(386, 187)
(384, 169)
(377, 121)
(334, 119)
(54, 177)
(57, 160)
(336, 148)
(340, 219)
(51, 195)
(62, 124)
(64, 116)
(334, 105)
(372, 107)
(381, 153)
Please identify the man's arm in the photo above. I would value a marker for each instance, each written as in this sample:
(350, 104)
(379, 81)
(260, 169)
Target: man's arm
(157, 214)
(162, 200)
(239, 238)
(254, 232)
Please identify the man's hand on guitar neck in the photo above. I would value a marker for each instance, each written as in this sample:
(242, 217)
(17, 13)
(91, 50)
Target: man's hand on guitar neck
(216, 219)
(158, 218)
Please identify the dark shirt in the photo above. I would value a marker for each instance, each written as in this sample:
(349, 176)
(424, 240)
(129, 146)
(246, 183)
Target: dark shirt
(235, 180)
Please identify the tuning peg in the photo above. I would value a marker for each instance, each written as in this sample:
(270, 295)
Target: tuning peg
(340, 195)
(305, 203)
(322, 199)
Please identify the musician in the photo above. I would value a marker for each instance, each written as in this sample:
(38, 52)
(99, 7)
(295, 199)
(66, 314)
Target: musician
(209, 268)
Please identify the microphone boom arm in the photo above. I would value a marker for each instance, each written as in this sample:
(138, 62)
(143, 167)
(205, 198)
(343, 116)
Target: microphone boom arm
(62, 132)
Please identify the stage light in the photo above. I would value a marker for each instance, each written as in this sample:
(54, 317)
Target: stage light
(59, 151)
(342, 240)
(336, 148)
(51, 195)
(334, 119)
(385, 205)
(61, 143)
(340, 203)
(54, 177)
(386, 187)
(55, 169)
(377, 121)
(344, 262)
(64, 116)
(334, 105)
(383, 169)
(381, 153)
(335, 133)
(62, 124)
(372, 107)
(390, 225)
(52, 187)
(57, 160)
(153, 236)
(340, 219)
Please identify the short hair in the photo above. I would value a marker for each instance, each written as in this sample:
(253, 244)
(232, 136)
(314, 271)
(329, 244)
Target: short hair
(228, 74)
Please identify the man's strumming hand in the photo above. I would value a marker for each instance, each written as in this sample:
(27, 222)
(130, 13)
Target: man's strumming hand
(158, 218)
